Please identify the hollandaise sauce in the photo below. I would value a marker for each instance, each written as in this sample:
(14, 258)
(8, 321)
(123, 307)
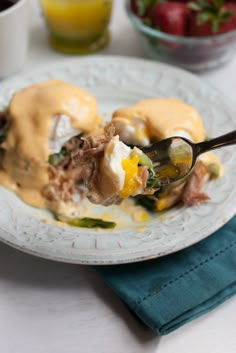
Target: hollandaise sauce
(77, 26)
(24, 166)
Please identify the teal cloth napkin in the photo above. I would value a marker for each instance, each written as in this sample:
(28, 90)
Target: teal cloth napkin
(170, 291)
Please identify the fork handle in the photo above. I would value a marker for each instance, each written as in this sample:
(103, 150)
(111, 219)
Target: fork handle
(224, 140)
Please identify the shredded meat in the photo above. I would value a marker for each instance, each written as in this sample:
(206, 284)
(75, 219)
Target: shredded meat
(189, 191)
(96, 197)
(173, 196)
(143, 177)
(81, 164)
(192, 192)
(60, 187)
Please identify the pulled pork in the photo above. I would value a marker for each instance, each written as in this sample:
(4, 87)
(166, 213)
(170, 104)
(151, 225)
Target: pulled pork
(189, 191)
(192, 193)
(80, 164)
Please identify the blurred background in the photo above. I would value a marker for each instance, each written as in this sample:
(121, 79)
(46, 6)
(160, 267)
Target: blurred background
(124, 41)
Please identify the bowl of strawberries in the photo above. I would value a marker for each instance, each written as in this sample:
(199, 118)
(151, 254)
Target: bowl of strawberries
(194, 34)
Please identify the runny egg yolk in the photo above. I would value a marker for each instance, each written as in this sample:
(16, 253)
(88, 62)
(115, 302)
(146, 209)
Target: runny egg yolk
(131, 183)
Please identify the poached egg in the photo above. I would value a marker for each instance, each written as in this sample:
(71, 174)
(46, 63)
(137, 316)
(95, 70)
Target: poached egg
(120, 174)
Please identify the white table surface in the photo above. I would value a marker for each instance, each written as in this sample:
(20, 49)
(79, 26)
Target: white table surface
(49, 307)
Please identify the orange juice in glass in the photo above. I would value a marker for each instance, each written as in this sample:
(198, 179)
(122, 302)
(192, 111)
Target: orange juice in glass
(77, 26)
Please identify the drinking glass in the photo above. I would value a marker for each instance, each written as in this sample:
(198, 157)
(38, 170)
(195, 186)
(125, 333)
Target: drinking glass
(77, 26)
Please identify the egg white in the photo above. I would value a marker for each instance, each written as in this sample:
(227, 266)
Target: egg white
(115, 152)
(60, 132)
(132, 131)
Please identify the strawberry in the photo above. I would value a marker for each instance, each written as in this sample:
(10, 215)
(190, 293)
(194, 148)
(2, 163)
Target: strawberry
(181, 1)
(170, 17)
(211, 17)
(133, 6)
(231, 23)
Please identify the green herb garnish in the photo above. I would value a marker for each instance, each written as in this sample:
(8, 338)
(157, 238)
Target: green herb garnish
(56, 158)
(144, 160)
(214, 170)
(27, 166)
(86, 222)
(152, 181)
(146, 202)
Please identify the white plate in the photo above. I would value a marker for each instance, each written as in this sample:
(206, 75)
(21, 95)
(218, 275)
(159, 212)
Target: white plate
(116, 82)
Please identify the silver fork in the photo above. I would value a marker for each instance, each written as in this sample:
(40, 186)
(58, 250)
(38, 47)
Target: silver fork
(175, 157)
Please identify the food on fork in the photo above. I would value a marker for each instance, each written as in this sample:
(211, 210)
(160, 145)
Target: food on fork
(110, 170)
(152, 120)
